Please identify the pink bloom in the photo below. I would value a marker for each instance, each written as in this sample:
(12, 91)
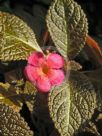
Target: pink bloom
(45, 71)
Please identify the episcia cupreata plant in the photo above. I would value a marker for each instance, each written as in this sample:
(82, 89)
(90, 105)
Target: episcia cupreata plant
(61, 99)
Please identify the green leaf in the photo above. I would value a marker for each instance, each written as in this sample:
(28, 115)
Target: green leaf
(67, 25)
(30, 93)
(17, 40)
(16, 93)
(9, 96)
(30, 88)
(72, 103)
(95, 77)
(73, 65)
(12, 124)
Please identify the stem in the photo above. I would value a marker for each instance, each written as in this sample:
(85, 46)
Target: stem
(45, 38)
(93, 51)
(91, 42)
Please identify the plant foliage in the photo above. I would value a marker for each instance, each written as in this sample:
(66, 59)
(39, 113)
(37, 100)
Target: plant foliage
(68, 107)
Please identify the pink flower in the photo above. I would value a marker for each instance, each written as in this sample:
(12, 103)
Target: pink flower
(45, 71)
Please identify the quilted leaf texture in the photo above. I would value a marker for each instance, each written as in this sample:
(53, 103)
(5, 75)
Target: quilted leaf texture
(8, 96)
(95, 77)
(71, 104)
(12, 124)
(17, 40)
(31, 93)
(67, 25)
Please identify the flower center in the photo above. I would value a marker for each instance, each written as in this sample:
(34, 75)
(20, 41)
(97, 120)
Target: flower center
(45, 69)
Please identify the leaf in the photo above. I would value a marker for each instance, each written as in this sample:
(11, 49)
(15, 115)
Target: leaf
(29, 88)
(72, 103)
(73, 65)
(15, 74)
(67, 25)
(12, 124)
(30, 91)
(9, 96)
(89, 129)
(16, 38)
(95, 77)
(16, 93)
(15, 106)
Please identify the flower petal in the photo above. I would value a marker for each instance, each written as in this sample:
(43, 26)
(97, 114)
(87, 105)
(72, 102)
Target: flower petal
(43, 84)
(31, 73)
(36, 58)
(55, 61)
(56, 77)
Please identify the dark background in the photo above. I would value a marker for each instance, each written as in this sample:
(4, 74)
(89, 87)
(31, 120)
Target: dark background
(92, 8)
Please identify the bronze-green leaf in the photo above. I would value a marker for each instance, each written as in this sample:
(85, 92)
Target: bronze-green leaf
(67, 25)
(30, 92)
(72, 103)
(9, 96)
(17, 40)
(95, 77)
(15, 95)
(12, 124)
